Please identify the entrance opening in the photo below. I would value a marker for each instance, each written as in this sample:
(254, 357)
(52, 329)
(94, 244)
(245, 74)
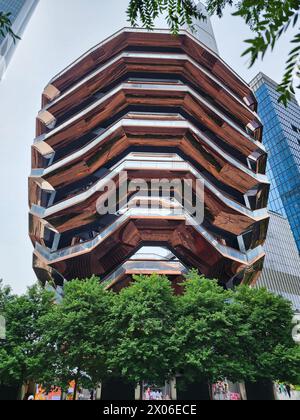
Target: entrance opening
(260, 391)
(194, 391)
(156, 392)
(117, 389)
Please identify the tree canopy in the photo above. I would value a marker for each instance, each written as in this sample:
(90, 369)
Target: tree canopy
(147, 332)
(269, 350)
(208, 332)
(242, 334)
(19, 352)
(144, 319)
(75, 334)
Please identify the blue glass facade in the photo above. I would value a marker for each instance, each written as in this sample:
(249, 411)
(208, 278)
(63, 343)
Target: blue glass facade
(282, 141)
(21, 11)
(11, 6)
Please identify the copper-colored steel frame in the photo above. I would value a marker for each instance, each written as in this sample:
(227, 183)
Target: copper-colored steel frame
(188, 102)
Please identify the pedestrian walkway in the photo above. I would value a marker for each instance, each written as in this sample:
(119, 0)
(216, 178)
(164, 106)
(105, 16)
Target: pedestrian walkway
(295, 396)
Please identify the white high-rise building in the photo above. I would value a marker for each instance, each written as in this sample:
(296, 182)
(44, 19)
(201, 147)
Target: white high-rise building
(21, 11)
(281, 273)
(204, 31)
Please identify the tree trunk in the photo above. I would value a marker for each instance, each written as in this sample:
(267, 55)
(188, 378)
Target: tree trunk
(141, 391)
(21, 392)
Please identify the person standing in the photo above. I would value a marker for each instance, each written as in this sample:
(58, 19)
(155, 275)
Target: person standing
(288, 390)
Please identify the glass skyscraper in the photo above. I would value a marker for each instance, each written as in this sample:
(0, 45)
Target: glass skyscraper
(282, 141)
(281, 273)
(21, 11)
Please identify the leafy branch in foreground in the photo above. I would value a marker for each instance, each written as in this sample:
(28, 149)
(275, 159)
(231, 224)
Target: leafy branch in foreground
(6, 26)
(292, 73)
(269, 20)
(179, 13)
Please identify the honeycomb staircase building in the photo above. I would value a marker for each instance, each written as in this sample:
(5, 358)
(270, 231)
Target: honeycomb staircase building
(158, 107)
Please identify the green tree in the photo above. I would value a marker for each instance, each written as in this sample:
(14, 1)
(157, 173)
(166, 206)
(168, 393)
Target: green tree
(147, 333)
(244, 334)
(75, 336)
(269, 351)
(268, 20)
(144, 317)
(207, 333)
(19, 352)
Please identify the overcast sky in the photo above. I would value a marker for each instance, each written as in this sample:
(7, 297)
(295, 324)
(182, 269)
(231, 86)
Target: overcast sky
(59, 32)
